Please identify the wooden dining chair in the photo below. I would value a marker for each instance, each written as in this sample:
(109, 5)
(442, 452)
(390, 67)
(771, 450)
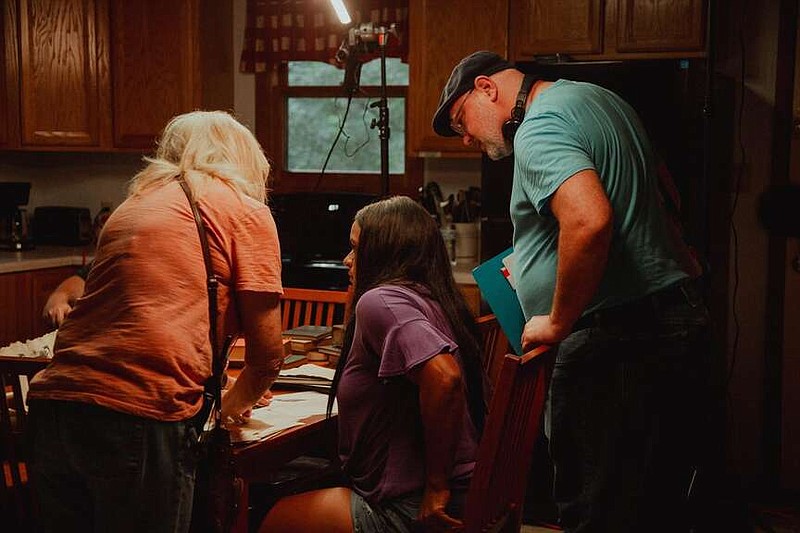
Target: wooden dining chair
(497, 490)
(15, 373)
(495, 346)
(312, 307)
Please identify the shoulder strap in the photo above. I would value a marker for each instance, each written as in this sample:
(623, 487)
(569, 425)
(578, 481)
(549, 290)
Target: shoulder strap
(214, 387)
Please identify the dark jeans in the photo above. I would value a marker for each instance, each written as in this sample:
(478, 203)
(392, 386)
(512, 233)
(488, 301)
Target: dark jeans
(626, 418)
(94, 469)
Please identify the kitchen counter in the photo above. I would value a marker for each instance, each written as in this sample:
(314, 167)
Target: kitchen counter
(59, 256)
(44, 257)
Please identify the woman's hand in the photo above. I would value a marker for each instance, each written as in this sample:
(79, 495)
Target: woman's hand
(432, 515)
(265, 400)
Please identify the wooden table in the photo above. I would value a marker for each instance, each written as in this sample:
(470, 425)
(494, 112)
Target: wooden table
(257, 461)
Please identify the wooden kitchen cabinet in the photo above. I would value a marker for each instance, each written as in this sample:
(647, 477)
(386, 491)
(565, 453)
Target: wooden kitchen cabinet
(549, 27)
(154, 59)
(441, 33)
(63, 72)
(167, 58)
(606, 29)
(665, 26)
(106, 75)
(23, 295)
(9, 121)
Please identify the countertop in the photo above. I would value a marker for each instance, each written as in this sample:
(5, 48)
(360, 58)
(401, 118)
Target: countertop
(59, 256)
(44, 257)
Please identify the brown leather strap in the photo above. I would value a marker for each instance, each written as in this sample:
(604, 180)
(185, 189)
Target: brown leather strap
(214, 386)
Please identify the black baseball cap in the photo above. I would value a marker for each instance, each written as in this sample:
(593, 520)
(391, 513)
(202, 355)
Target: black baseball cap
(462, 79)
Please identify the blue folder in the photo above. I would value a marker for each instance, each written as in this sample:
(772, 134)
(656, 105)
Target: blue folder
(501, 297)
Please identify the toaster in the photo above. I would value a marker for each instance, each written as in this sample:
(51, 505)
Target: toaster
(68, 226)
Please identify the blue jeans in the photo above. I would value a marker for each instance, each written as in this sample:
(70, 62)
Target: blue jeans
(94, 469)
(625, 419)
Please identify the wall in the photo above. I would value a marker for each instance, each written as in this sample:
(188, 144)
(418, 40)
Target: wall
(747, 272)
(72, 179)
(453, 174)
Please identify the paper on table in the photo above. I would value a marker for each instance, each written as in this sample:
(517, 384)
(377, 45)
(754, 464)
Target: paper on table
(38, 347)
(283, 412)
(309, 370)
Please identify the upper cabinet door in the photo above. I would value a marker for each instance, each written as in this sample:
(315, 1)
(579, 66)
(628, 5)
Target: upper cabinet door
(155, 67)
(549, 27)
(64, 73)
(441, 34)
(9, 78)
(661, 25)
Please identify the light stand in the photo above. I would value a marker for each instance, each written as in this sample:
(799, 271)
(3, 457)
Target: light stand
(383, 116)
(365, 37)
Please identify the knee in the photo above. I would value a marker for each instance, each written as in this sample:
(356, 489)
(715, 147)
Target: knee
(321, 510)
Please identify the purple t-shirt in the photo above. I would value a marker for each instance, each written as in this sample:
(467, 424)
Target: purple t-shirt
(381, 438)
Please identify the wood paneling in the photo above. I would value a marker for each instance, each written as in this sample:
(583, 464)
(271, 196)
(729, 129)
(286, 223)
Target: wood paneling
(23, 295)
(15, 310)
(155, 67)
(64, 72)
(660, 25)
(43, 282)
(548, 27)
(441, 35)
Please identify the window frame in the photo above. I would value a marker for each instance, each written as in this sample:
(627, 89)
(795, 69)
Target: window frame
(272, 94)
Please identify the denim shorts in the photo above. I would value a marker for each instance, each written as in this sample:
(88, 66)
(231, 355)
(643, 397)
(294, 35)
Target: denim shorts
(396, 515)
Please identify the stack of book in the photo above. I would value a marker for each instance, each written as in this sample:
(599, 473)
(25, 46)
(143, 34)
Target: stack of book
(310, 341)
(305, 377)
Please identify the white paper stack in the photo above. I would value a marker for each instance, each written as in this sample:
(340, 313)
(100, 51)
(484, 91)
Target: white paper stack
(38, 347)
(283, 412)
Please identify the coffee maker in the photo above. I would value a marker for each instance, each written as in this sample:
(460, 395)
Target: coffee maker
(14, 234)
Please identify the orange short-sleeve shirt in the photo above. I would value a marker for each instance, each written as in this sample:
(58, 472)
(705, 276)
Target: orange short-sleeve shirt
(137, 341)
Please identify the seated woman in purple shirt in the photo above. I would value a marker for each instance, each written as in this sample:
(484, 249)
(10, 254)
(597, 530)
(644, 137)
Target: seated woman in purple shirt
(409, 386)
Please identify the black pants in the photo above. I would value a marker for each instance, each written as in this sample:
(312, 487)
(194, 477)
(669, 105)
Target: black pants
(626, 415)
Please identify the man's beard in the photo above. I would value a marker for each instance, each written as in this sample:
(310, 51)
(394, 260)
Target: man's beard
(498, 148)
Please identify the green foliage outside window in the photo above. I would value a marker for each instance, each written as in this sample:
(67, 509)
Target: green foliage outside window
(312, 123)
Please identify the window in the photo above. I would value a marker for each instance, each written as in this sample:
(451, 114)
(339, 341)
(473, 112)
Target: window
(311, 104)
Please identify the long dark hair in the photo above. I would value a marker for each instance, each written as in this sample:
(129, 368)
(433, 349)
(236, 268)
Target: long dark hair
(401, 244)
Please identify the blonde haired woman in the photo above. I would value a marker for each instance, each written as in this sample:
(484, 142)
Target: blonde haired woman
(112, 415)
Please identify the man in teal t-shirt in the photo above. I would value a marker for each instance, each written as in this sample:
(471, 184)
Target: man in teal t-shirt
(599, 274)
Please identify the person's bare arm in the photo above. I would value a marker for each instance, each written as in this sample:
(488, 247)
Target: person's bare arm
(585, 221)
(61, 301)
(441, 400)
(261, 323)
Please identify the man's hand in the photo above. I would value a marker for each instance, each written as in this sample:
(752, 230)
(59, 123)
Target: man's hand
(55, 312)
(540, 329)
(432, 516)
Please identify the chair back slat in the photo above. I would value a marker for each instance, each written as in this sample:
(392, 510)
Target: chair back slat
(495, 347)
(497, 490)
(312, 307)
(15, 373)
